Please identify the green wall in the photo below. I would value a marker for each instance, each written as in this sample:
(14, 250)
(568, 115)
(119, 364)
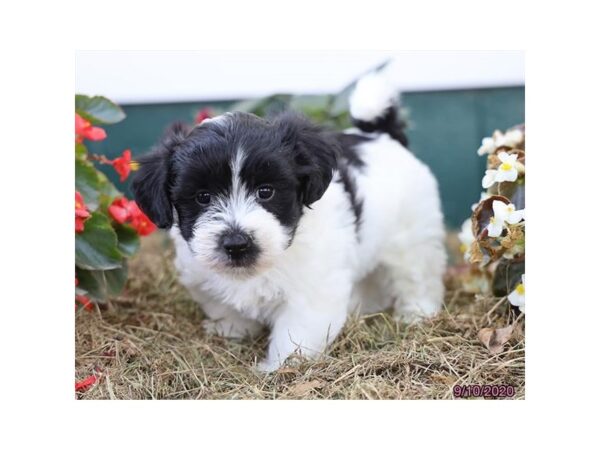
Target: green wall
(446, 131)
(446, 128)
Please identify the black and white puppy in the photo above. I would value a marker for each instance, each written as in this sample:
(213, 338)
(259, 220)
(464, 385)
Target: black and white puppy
(280, 223)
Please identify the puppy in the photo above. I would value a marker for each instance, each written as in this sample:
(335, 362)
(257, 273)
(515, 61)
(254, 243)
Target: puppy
(280, 223)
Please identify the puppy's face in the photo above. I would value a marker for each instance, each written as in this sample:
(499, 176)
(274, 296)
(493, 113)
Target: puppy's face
(236, 186)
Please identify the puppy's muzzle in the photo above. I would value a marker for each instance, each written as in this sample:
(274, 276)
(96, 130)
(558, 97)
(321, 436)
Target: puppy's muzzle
(239, 248)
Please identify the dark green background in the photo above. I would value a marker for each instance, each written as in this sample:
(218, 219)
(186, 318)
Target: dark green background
(446, 128)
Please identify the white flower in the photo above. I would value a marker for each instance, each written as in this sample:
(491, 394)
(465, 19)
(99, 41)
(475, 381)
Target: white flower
(517, 297)
(507, 213)
(495, 227)
(503, 213)
(507, 171)
(487, 146)
(511, 138)
(466, 239)
(489, 178)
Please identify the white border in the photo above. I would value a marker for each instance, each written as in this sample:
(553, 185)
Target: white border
(183, 76)
(37, 188)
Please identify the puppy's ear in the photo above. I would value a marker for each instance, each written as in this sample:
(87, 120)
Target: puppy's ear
(151, 183)
(315, 154)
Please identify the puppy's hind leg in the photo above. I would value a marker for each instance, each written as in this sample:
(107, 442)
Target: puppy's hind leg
(372, 294)
(416, 280)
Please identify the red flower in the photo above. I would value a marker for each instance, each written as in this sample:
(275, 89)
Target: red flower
(205, 113)
(81, 212)
(86, 383)
(123, 210)
(85, 302)
(85, 130)
(119, 209)
(122, 165)
(142, 224)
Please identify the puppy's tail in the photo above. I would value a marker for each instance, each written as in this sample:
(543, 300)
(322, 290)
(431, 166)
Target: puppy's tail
(374, 106)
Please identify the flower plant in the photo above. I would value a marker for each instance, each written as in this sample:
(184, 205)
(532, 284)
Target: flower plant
(107, 225)
(493, 238)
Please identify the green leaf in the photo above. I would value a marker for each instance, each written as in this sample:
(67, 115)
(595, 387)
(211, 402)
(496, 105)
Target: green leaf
(129, 241)
(99, 284)
(98, 110)
(87, 182)
(96, 247)
(94, 185)
(80, 151)
(311, 104)
(264, 107)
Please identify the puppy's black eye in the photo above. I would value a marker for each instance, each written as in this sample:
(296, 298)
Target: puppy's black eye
(265, 192)
(203, 198)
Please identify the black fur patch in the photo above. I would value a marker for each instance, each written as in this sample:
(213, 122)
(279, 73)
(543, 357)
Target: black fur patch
(349, 184)
(152, 183)
(350, 161)
(388, 122)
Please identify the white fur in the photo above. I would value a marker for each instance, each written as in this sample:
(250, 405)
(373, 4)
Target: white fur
(305, 292)
(372, 95)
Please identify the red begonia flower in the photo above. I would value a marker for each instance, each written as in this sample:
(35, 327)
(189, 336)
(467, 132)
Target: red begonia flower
(123, 210)
(122, 164)
(205, 113)
(119, 209)
(85, 130)
(142, 224)
(81, 212)
(85, 383)
(85, 302)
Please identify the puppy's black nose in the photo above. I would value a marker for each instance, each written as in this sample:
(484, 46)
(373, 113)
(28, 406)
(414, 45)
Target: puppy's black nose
(236, 244)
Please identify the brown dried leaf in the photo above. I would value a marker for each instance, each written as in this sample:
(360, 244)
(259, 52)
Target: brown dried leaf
(303, 388)
(476, 254)
(513, 235)
(519, 332)
(495, 338)
(493, 161)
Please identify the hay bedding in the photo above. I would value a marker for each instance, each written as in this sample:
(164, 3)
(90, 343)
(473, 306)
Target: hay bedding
(148, 344)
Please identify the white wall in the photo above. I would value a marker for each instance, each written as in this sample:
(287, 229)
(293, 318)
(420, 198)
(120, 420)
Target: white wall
(148, 76)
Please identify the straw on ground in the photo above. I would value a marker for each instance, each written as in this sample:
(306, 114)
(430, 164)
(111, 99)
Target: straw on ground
(148, 343)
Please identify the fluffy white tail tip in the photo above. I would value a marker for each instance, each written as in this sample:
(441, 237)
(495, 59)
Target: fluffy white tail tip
(373, 94)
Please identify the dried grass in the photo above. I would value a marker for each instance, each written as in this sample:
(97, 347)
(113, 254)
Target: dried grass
(148, 344)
